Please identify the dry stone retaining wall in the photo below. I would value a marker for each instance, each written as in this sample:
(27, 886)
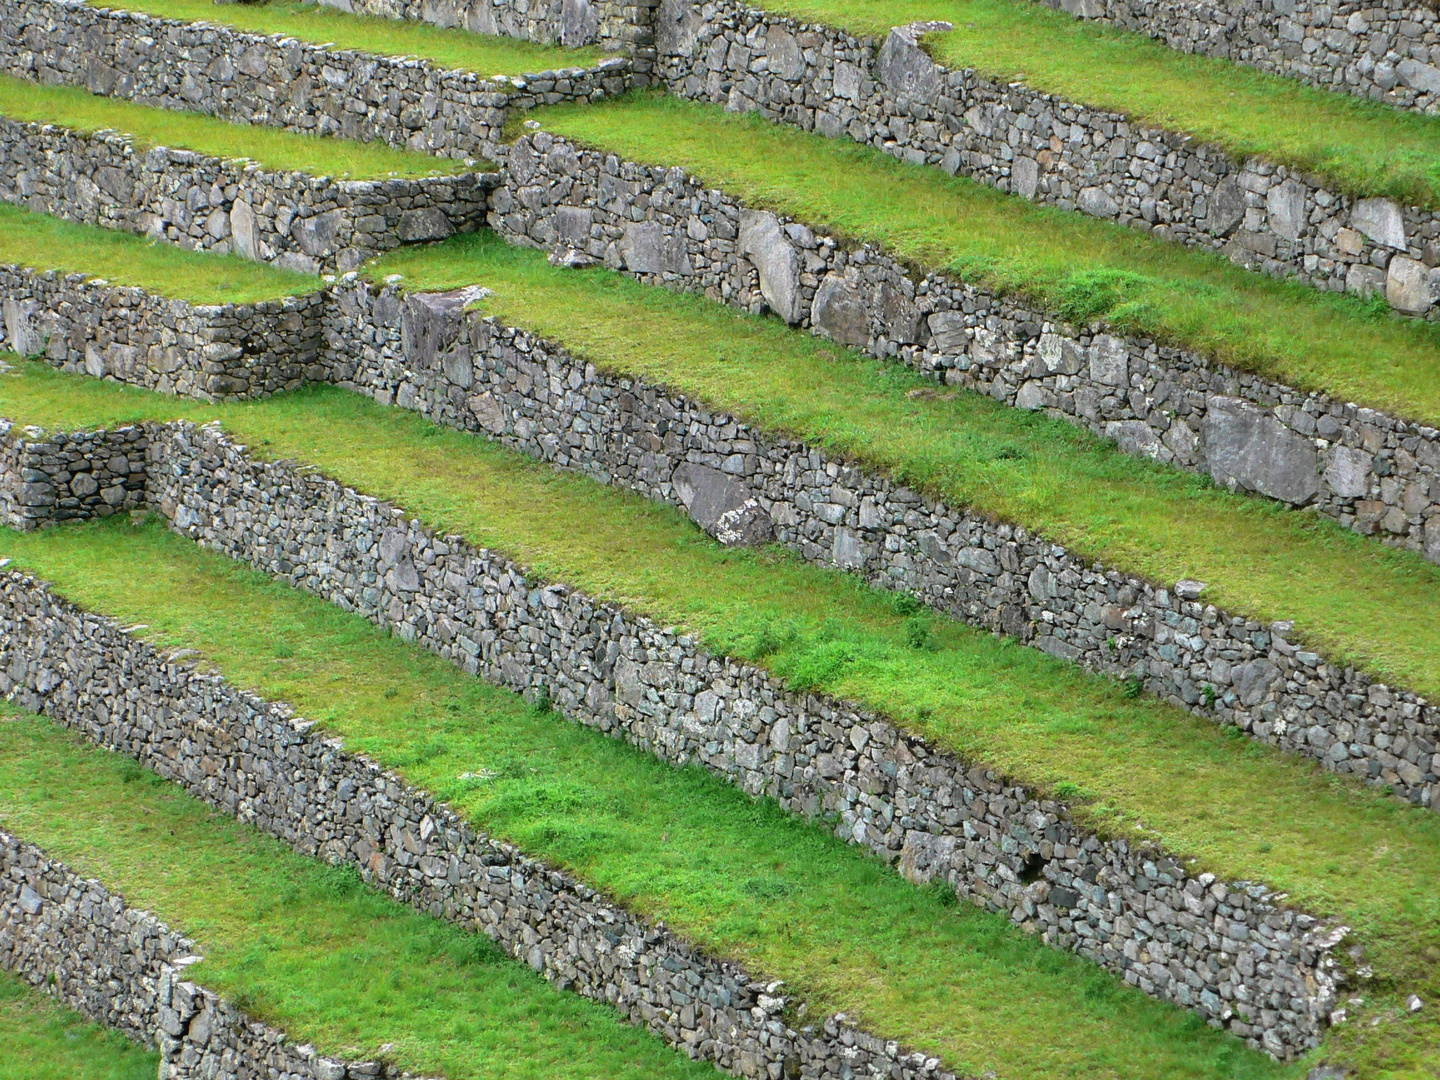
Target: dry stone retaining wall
(894, 97)
(121, 332)
(1370, 471)
(49, 478)
(297, 221)
(278, 80)
(253, 759)
(423, 352)
(1388, 51)
(122, 967)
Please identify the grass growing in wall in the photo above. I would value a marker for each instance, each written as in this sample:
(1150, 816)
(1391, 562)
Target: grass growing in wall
(40, 1039)
(1360, 147)
(1068, 263)
(1132, 766)
(47, 243)
(678, 844)
(484, 54)
(1356, 598)
(305, 946)
(72, 107)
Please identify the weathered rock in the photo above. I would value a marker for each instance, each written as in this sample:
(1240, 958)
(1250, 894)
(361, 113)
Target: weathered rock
(1248, 448)
(764, 243)
(840, 311)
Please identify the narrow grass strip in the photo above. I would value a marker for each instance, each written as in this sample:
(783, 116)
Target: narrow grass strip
(40, 1039)
(274, 148)
(456, 49)
(1068, 263)
(47, 243)
(1129, 766)
(1349, 595)
(678, 844)
(304, 946)
(1359, 147)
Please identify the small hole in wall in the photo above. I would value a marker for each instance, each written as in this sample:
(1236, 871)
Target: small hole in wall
(1031, 868)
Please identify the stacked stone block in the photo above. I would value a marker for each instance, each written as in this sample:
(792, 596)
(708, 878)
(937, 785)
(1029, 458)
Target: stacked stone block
(253, 759)
(294, 220)
(124, 333)
(70, 476)
(1373, 472)
(280, 81)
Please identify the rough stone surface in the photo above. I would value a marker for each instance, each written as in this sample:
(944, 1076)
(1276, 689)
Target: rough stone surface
(122, 967)
(1387, 52)
(253, 759)
(208, 204)
(1264, 970)
(281, 81)
(892, 96)
(1154, 400)
(533, 396)
(123, 333)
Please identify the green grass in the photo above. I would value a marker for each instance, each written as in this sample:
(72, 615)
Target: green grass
(302, 945)
(47, 243)
(1068, 263)
(1144, 769)
(1358, 147)
(72, 107)
(1349, 595)
(455, 49)
(40, 1039)
(740, 878)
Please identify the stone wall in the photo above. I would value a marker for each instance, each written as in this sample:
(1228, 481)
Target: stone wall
(616, 25)
(1372, 472)
(119, 332)
(299, 222)
(253, 759)
(423, 352)
(278, 80)
(122, 967)
(894, 97)
(47, 479)
(1388, 52)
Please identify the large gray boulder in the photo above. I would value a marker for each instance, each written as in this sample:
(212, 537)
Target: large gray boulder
(579, 21)
(840, 311)
(1380, 220)
(677, 27)
(905, 69)
(1225, 209)
(721, 505)
(21, 331)
(765, 244)
(431, 322)
(316, 235)
(1246, 447)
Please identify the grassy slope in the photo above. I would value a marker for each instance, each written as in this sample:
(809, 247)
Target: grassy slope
(46, 243)
(273, 148)
(738, 877)
(40, 1039)
(1355, 597)
(285, 937)
(455, 49)
(1239, 808)
(1360, 147)
(1067, 262)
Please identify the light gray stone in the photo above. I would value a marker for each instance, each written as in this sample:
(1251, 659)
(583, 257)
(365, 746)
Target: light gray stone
(1247, 447)
(764, 243)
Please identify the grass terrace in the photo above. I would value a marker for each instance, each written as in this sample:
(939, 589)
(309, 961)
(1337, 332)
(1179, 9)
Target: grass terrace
(740, 878)
(72, 107)
(38, 240)
(1131, 766)
(41, 1039)
(1356, 598)
(1359, 147)
(457, 49)
(305, 946)
(1080, 267)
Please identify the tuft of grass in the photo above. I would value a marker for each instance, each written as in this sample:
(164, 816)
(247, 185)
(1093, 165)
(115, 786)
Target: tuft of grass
(1059, 260)
(47, 243)
(740, 879)
(75, 108)
(41, 1039)
(454, 48)
(305, 946)
(1358, 147)
(1197, 790)
(1357, 599)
